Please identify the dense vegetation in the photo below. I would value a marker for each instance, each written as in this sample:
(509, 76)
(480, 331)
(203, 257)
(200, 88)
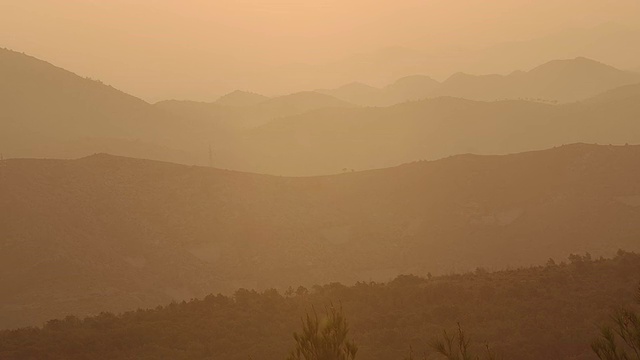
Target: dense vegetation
(544, 312)
(621, 339)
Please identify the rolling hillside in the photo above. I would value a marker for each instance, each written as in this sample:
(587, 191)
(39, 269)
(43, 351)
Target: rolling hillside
(111, 233)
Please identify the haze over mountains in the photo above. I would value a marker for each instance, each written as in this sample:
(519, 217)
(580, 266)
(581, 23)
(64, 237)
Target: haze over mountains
(186, 179)
(112, 233)
(555, 81)
(276, 48)
(558, 80)
(608, 42)
(330, 140)
(50, 112)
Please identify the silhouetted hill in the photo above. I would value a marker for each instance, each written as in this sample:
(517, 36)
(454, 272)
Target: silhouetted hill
(577, 79)
(558, 80)
(241, 98)
(45, 108)
(111, 233)
(610, 42)
(411, 88)
(544, 312)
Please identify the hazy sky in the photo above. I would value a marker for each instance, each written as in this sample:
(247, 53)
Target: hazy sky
(199, 49)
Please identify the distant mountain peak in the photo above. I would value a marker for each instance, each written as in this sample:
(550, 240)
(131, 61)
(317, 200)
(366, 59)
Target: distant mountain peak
(241, 98)
(460, 76)
(415, 80)
(581, 63)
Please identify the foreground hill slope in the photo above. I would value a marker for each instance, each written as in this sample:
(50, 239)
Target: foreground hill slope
(111, 233)
(550, 312)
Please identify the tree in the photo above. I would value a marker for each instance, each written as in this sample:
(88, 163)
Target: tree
(324, 339)
(626, 328)
(457, 347)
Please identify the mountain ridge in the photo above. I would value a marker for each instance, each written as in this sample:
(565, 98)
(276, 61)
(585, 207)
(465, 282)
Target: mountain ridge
(562, 80)
(565, 80)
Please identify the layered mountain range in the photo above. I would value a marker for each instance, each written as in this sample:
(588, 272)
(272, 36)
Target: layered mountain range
(50, 112)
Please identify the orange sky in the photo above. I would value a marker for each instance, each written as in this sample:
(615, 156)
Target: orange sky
(199, 49)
